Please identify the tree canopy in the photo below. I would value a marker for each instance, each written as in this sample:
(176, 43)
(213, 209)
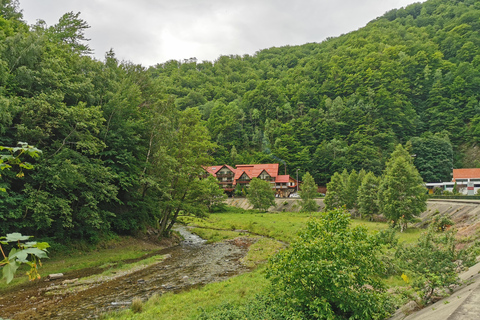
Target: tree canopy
(401, 193)
(108, 165)
(260, 194)
(308, 193)
(331, 272)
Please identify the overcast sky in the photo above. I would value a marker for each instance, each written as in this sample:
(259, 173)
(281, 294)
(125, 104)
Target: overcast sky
(155, 31)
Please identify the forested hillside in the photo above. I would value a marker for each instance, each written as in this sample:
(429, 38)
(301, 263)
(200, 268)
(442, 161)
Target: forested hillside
(122, 145)
(412, 74)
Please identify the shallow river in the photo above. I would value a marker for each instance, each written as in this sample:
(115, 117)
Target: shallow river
(192, 263)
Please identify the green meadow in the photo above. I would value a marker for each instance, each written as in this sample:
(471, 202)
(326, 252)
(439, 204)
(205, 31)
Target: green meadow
(273, 231)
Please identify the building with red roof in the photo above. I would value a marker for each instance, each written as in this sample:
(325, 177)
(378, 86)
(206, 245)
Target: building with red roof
(465, 175)
(225, 176)
(467, 182)
(230, 178)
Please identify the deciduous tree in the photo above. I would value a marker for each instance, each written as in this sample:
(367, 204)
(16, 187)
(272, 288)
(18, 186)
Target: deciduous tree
(182, 147)
(331, 272)
(336, 191)
(260, 194)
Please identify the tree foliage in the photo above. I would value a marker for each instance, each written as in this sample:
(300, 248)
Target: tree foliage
(209, 194)
(433, 157)
(308, 193)
(401, 194)
(336, 196)
(368, 195)
(331, 272)
(260, 194)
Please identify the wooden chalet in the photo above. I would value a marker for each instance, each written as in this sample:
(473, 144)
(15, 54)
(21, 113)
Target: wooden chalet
(225, 176)
(229, 178)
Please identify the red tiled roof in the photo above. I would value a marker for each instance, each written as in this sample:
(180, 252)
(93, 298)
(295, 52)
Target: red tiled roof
(466, 173)
(254, 170)
(214, 169)
(282, 179)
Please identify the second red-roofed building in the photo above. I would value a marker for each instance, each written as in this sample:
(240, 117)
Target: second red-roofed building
(466, 181)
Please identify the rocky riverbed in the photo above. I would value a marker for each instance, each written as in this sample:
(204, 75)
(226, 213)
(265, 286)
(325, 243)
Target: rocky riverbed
(88, 293)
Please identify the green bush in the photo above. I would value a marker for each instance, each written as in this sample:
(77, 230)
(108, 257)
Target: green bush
(431, 262)
(263, 307)
(331, 272)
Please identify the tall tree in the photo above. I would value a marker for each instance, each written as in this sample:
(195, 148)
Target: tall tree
(308, 193)
(351, 189)
(336, 195)
(70, 30)
(368, 195)
(401, 195)
(182, 148)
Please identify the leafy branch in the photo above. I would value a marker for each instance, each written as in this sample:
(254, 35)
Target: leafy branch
(14, 158)
(29, 253)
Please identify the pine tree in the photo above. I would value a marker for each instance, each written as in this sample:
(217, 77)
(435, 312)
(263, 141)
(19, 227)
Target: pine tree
(402, 195)
(368, 195)
(308, 193)
(335, 196)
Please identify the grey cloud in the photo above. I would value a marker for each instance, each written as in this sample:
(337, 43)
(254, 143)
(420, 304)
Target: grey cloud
(152, 31)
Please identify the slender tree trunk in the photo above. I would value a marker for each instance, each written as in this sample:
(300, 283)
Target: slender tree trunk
(163, 221)
(174, 218)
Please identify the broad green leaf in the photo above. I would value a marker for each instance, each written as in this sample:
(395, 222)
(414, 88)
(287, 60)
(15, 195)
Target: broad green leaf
(30, 244)
(20, 256)
(12, 253)
(4, 166)
(9, 270)
(26, 165)
(37, 252)
(42, 245)
(16, 237)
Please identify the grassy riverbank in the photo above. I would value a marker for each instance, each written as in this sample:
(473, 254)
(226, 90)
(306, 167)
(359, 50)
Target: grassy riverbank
(106, 254)
(279, 228)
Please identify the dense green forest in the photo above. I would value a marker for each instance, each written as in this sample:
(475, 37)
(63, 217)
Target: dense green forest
(122, 145)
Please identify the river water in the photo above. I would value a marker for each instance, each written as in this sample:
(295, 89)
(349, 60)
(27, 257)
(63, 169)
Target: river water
(192, 263)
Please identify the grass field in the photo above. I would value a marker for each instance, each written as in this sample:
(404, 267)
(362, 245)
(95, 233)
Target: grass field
(276, 229)
(282, 226)
(190, 304)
